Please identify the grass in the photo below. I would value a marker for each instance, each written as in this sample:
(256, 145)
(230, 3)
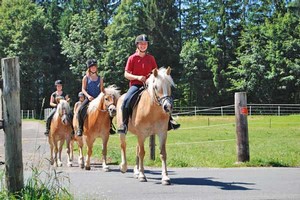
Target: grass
(210, 141)
(40, 185)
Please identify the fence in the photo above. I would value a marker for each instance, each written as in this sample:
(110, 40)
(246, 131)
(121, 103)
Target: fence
(28, 114)
(254, 109)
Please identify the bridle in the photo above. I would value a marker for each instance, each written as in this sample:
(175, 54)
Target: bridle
(107, 106)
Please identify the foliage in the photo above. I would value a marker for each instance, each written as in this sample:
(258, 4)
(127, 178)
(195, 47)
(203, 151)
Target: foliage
(84, 40)
(40, 186)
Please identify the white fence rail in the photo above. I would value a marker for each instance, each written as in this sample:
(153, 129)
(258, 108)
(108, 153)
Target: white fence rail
(253, 109)
(28, 114)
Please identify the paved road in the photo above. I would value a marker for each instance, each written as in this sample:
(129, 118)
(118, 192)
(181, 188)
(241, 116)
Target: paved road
(187, 183)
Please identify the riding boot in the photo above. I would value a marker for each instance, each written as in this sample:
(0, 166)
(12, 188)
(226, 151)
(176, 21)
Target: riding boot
(48, 122)
(81, 116)
(123, 127)
(112, 127)
(172, 124)
(80, 123)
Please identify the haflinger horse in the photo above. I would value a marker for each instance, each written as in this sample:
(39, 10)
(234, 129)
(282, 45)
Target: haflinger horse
(149, 117)
(60, 131)
(97, 124)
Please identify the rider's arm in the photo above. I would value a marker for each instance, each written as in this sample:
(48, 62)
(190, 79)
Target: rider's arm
(84, 87)
(131, 77)
(52, 101)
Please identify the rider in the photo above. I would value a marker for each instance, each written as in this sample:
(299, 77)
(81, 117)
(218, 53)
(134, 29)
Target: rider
(91, 84)
(79, 102)
(138, 68)
(53, 102)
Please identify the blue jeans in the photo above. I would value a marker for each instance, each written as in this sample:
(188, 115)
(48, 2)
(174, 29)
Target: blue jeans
(126, 108)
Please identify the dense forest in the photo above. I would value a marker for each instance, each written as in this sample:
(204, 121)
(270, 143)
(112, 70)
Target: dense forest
(214, 47)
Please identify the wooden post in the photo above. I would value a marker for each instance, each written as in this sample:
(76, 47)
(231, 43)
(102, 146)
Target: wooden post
(152, 147)
(241, 112)
(12, 124)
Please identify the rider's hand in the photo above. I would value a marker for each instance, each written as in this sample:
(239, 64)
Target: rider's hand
(90, 98)
(142, 78)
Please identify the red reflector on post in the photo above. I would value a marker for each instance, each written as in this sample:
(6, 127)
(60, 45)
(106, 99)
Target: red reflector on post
(244, 110)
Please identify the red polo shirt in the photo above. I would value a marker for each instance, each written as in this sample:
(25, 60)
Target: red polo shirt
(140, 66)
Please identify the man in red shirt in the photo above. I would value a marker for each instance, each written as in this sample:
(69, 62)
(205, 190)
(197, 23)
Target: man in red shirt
(138, 68)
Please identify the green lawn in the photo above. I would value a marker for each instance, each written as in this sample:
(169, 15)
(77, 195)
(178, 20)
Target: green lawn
(210, 141)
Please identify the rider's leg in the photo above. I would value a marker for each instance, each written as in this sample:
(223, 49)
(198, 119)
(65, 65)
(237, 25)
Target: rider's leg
(81, 116)
(125, 109)
(48, 122)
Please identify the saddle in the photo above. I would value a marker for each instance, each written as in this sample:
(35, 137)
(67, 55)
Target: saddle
(134, 100)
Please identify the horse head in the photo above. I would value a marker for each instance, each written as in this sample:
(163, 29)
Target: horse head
(63, 109)
(159, 88)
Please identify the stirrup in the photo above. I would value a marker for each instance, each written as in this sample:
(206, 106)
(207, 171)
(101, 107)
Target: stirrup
(79, 132)
(122, 129)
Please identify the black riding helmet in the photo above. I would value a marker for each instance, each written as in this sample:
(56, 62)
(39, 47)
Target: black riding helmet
(58, 82)
(141, 38)
(91, 62)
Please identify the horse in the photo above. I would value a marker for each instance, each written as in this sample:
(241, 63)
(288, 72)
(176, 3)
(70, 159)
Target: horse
(97, 124)
(60, 131)
(149, 117)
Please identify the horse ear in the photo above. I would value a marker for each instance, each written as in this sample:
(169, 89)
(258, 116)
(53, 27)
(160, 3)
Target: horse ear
(169, 70)
(155, 72)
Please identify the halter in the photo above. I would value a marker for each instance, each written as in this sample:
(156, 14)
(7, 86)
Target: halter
(160, 100)
(107, 106)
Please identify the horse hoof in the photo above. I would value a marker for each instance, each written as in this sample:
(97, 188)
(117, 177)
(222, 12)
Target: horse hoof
(70, 164)
(81, 166)
(166, 182)
(142, 179)
(88, 168)
(123, 169)
(106, 169)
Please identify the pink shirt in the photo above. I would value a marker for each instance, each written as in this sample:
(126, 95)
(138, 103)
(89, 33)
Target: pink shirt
(140, 66)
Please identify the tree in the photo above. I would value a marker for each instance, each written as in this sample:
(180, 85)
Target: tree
(85, 40)
(26, 33)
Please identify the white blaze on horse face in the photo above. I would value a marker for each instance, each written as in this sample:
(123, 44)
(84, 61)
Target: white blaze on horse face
(167, 104)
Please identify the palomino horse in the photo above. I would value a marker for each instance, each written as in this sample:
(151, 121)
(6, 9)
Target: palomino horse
(149, 117)
(60, 131)
(97, 124)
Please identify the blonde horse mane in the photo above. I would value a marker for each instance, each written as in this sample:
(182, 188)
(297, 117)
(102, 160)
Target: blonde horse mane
(162, 80)
(110, 90)
(63, 104)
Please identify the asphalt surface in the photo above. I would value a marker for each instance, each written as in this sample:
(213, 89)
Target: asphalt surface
(186, 183)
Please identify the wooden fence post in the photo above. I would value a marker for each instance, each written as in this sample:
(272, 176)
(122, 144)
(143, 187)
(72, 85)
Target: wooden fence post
(152, 147)
(12, 124)
(241, 112)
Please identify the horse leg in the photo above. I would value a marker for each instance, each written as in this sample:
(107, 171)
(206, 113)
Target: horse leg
(68, 141)
(55, 154)
(141, 153)
(163, 157)
(123, 165)
(136, 170)
(89, 143)
(59, 162)
(80, 158)
(104, 153)
(51, 152)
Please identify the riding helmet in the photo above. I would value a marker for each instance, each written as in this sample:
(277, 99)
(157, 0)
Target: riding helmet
(141, 38)
(80, 94)
(91, 62)
(58, 82)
